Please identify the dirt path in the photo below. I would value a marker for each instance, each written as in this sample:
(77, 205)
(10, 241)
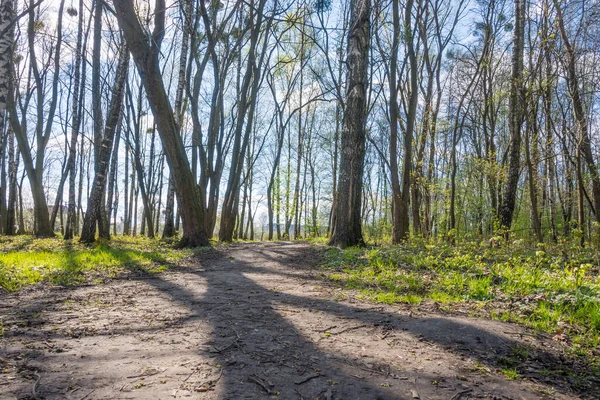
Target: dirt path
(251, 321)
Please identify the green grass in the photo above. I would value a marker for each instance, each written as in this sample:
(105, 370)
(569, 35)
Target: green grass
(26, 261)
(510, 373)
(552, 288)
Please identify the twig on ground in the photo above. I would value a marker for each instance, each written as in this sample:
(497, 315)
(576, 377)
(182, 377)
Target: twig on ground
(327, 329)
(308, 378)
(230, 344)
(460, 394)
(87, 394)
(145, 374)
(349, 329)
(261, 383)
(190, 375)
(536, 335)
(214, 383)
(285, 309)
(226, 347)
(35, 386)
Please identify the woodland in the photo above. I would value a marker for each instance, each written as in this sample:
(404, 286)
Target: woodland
(435, 159)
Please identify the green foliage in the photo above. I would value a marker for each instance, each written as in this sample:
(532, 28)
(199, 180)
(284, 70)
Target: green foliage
(510, 373)
(25, 261)
(553, 288)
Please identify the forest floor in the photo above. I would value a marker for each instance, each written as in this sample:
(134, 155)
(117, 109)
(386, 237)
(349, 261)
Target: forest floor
(257, 320)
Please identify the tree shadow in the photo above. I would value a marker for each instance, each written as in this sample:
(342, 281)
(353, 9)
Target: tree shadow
(262, 354)
(260, 338)
(264, 350)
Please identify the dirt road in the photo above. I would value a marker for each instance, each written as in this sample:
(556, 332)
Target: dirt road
(252, 321)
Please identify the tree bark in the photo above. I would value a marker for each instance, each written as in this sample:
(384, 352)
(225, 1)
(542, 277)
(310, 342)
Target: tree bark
(347, 229)
(96, 95)
(515, 115)
(246, 108)
(146, 59)
(548, 123)
(169, 227)
(95, 207)
(585, 146)
(6, 55)
(75, 124)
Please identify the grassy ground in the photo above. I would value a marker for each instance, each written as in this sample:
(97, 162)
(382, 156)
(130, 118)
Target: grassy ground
(554, 289)
(25, 261)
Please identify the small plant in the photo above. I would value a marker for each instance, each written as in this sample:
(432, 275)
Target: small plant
(510, 373)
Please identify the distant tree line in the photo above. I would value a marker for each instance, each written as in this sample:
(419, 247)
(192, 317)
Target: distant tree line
(367, 120)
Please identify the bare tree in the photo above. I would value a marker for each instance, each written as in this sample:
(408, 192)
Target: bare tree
(95, 207)
(515, 117)
(146, 57)
(347, 229)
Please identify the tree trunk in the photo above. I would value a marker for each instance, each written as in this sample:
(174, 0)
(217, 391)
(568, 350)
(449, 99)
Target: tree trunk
(95, 208)
(75, 124)
(96, 95)
(12, 185)
(112, 181)
(535, 219)
(515, 115)
(246, 108)
(3, 176)
(146, 59)
(6, 56)
(169, 228)
(547, 98)
(347, 228)
(585, 146)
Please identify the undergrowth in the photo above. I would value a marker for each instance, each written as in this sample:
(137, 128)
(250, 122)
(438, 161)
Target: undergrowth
(552, 288)
(25, 260)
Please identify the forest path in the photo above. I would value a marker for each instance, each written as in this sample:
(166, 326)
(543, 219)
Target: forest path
(250, 321)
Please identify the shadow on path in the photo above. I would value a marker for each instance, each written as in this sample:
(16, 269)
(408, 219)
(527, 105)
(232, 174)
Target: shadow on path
(272, 332)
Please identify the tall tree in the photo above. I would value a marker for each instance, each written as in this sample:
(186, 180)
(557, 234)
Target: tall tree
(6, 46)
(585, 145)
(146, 56)
(75, 125)
(169, 227)
(515, 116)
(44, 119)
(95, 207)
(245, 113)
(347, 230)
(96, 95)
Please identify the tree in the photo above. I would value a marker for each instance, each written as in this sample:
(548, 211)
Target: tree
(146, 57)
(169, 228)
(6, 44)
(347, 229)
(6, 137)
(245, 113)
(515, 116)
(95, 207)
(44, 120)
(585, 146)
(75, 125)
